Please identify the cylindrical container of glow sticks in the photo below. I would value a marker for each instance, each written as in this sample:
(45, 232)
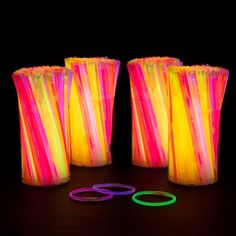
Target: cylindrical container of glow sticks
(196, 94)
(148, 83)
(91, 109)
(43, 99)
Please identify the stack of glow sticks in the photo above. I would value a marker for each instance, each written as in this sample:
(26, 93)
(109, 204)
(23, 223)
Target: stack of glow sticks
(43, 98)
(91, 109)
(149, 96)
(196, 95)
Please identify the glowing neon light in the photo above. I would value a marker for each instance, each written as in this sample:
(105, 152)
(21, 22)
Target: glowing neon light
(196, 96)
(148, 82)
(91, 109)
(43, 98)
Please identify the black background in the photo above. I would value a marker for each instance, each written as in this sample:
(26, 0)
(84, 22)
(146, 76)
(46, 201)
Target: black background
(36, 211)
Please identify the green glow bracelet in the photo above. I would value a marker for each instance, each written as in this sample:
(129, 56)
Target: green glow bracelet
(159, 193)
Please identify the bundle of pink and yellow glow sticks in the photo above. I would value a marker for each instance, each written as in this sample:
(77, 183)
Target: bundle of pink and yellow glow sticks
(43, 98)
(149, 97)
(91, 109)
(196, 96)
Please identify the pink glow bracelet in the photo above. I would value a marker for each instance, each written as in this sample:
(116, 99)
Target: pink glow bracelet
(85, 198)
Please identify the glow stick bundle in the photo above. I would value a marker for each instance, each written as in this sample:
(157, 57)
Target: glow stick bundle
(148, 82)
(196, 96)
(91, 109)
(43, 98)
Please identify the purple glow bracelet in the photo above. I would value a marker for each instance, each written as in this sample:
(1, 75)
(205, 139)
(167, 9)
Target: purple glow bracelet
(101, 188)
(87, 199)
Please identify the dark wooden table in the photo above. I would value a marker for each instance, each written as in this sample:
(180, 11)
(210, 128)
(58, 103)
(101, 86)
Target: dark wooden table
(206, 210)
